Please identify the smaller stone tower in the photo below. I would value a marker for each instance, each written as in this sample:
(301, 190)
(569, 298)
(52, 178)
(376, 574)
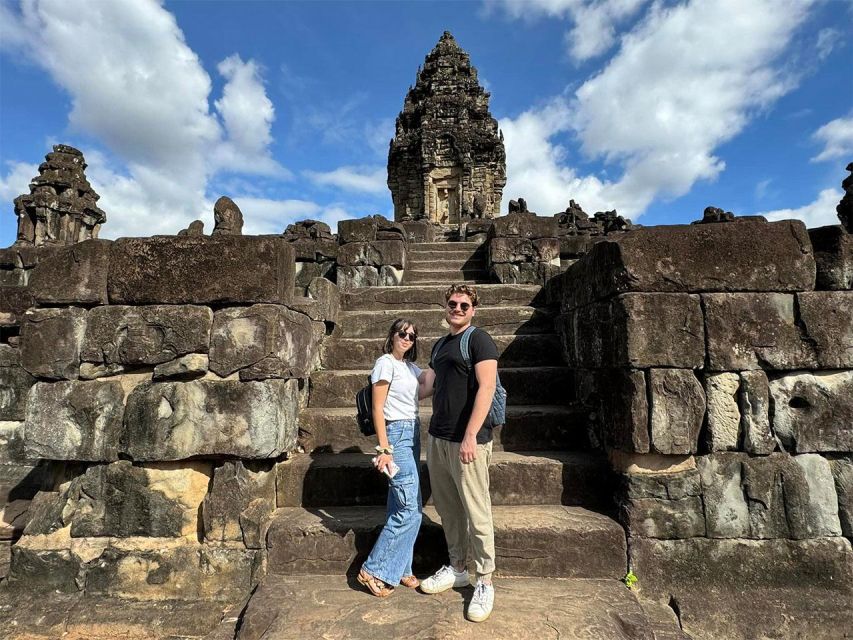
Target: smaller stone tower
(61, 207)
(447, 160)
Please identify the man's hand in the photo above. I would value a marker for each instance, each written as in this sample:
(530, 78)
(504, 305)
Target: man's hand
(468, 449)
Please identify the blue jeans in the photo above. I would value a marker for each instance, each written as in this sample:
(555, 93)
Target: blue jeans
(391, 557)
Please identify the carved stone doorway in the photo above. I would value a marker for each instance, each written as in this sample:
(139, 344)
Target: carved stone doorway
(444, 196)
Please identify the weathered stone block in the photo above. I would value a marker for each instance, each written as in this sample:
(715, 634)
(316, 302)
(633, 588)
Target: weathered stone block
(524, 272)
(746, 589)
(833, 252)
(546, 250)
(677, 409)
(510, 250)
(74, 420)
(361, 230)
(9, 356)
(524, 225)
(188, 367)
(51, 341)
(827, 322)
(754, 405)
(790, 497)
(255, 521)
(44, 571)
(179, 420)
(146, 335)
(419, 230)
(721, 392)
(315, 249)
(375, 253)
(663, 505)
(176, 570)
(726, 510)
(475, 231)
(813, 412)
(842, 471)
(76, 274)
(15, 384)
(576, 246)
(201, 270)
(13, 518)
(11, 442)
(748, 256)
(620, 398)
(14, 301)
(349, 278)
(328, 298)
(122, 500)
(308, 271)
(820, 512)
(264, 341)
(638, 330)
(235, 487)
(754, 331)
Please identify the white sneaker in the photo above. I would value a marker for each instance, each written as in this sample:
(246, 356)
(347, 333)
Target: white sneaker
(482, 602)
(445, 578)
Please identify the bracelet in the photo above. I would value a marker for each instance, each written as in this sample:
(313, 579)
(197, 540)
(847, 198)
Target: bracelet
(386, 450)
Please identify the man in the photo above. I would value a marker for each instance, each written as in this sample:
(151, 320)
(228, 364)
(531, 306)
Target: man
(459, 448)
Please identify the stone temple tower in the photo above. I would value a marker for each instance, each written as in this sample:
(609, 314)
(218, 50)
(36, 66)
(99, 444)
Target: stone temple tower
(447, 160)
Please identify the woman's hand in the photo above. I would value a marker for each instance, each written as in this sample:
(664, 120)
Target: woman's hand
(382, 460)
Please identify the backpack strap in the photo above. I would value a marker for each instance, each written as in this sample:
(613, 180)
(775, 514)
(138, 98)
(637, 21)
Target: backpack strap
(465, 346)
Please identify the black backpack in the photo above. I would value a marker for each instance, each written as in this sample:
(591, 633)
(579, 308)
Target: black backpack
(364, 409)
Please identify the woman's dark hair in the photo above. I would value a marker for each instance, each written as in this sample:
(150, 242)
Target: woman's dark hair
(398, 325)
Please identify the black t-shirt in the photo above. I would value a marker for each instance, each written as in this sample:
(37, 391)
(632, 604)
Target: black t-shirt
(455, 389)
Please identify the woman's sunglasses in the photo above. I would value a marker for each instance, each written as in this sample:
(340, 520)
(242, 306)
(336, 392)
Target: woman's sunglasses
(451, 304)
(403, 335)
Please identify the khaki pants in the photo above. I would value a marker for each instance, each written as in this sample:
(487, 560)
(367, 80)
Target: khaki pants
(461, 496)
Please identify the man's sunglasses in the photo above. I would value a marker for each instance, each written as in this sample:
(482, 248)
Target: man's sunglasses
(451, 304)
(403, 335)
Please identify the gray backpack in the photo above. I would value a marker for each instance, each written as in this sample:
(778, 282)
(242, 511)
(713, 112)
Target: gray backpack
(497, 412)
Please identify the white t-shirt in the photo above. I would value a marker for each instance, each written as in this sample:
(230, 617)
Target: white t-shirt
(402, 401)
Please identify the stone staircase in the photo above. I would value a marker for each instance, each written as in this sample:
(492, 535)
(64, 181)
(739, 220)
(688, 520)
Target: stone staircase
(551, 494)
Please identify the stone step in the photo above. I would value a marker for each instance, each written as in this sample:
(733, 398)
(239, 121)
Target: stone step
(514, 351)
(431, 322)
(446, 254)
(428, 296)
(465, 264)
(544, 477)
(286, 607)
(524, 385)
(545, 540)
(528, 428)
(444, 275)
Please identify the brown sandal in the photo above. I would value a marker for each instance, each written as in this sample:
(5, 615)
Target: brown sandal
(410, 581)
(375, 586)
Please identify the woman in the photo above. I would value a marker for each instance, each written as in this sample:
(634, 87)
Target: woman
(395, 416)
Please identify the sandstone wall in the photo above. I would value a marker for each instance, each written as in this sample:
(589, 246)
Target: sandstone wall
(372, 252)
(153, 386)
(721, 382)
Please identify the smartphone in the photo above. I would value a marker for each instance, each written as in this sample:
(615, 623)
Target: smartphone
(390, 469)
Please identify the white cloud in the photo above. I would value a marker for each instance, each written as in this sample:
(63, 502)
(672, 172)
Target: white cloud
(594, 22)
(827, 40)
(16, 181)
(661, 106)
(819, 213)
(837, 139)
(247, 114)
(364, 179)
(263, 215)
(138, 89)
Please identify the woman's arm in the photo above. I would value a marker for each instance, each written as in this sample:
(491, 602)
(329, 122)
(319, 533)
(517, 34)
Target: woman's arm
(380, 394)
(425, 383)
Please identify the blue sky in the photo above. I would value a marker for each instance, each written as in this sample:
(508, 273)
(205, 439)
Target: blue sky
(657, 109)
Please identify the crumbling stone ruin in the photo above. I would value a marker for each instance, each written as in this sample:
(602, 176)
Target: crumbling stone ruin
(227, 217)
(845, 207)
(61, 208)
(578, 232)
(179, 456)
(447, 160)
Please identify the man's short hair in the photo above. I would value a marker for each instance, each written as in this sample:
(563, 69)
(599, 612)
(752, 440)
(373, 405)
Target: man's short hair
(465, 289)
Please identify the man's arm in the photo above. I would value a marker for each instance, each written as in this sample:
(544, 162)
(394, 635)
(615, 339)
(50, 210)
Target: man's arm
(486, 372)
(426, 383)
